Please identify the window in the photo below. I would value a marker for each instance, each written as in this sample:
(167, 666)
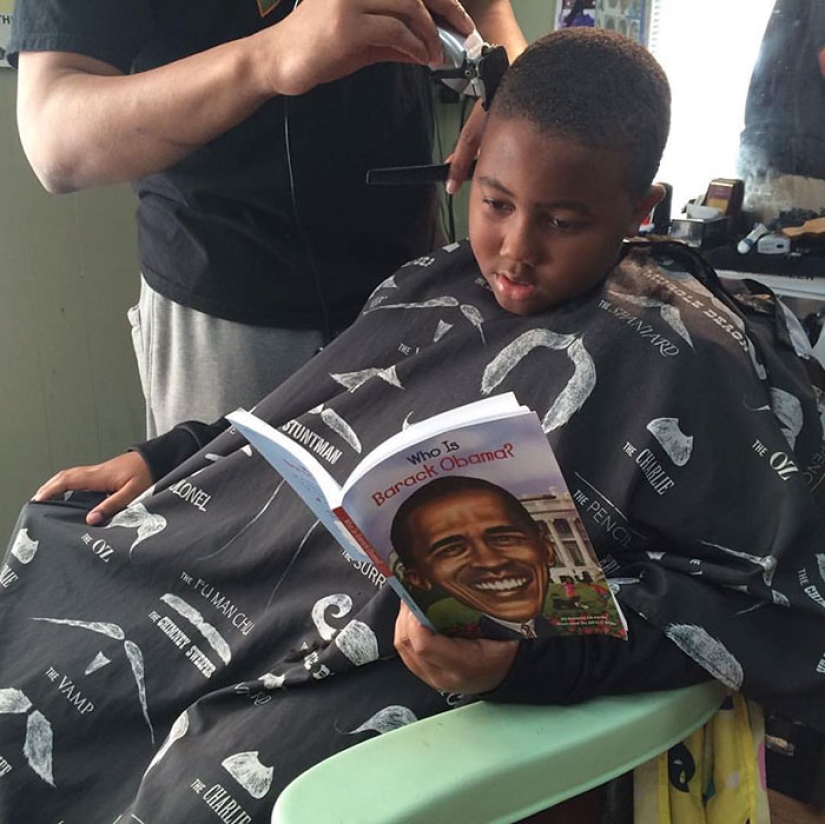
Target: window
(708, 49)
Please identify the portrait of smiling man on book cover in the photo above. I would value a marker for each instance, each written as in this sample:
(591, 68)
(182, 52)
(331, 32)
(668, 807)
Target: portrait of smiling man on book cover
(474, 541)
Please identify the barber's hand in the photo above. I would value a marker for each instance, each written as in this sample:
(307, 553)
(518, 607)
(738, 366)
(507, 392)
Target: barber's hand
(462, 665)
(324, 40)
(466, 148)
(125, 477)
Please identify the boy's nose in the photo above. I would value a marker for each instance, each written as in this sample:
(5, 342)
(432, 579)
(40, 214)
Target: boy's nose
(518, 243)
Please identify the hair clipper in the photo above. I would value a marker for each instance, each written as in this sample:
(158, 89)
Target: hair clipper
(471, 66)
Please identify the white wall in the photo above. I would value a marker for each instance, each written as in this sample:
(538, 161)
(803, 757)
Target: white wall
(69, 391)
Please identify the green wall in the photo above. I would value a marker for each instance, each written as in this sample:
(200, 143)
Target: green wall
(535, 16)
(69, 391)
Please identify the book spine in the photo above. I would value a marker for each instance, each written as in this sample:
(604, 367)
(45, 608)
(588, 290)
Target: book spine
(362, 541)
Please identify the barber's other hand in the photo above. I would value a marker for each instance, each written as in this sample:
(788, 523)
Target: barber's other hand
(466, 148)
(324, 40)
(124, 477)
(469, 666)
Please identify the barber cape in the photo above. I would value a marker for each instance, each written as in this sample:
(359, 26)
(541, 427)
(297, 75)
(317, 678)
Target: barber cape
(187, 660)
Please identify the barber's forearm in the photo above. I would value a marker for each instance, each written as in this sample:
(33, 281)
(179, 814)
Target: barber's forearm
(497, 23)
(82, 124)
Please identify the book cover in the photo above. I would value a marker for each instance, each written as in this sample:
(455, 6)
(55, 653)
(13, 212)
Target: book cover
(468, 516)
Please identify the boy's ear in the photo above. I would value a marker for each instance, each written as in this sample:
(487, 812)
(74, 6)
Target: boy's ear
(644, 206)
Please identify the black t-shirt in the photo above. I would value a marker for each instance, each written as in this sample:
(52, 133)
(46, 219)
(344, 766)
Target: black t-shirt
(221, 231)
(785, 109)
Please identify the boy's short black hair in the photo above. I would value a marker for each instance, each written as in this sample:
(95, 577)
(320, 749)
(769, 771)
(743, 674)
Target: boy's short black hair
(596, 87)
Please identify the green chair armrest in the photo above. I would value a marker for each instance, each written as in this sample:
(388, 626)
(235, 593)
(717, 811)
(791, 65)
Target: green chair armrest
(493, 763)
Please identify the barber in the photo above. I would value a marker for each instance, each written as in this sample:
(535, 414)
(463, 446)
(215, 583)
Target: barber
(246, 129)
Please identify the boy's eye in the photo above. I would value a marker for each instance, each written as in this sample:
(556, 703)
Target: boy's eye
(560, 223)
(496, 205)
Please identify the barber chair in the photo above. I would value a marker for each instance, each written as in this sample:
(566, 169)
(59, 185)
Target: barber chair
(494, 763)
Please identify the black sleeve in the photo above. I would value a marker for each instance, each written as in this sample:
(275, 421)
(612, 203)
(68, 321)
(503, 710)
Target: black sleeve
(164, 453)
(113, 32)
(572, 669)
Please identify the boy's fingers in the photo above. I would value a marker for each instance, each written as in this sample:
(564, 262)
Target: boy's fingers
(419, 642)
(113, 504)
(409, 633)
(452, 664)
(63, 481)
(124, 477)
(97, 516)
(401, 635)
(44, 492)
(408, 648)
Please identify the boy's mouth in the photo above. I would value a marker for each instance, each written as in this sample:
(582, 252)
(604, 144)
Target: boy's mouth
(512, 287)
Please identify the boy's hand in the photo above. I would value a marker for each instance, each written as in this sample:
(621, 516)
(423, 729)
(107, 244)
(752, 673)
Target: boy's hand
(125, 477)
(452, 664)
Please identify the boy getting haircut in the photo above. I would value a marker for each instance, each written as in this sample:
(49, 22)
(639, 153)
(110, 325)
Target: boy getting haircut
(682, 417)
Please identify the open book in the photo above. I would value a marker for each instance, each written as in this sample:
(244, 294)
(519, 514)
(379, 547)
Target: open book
(468, 517)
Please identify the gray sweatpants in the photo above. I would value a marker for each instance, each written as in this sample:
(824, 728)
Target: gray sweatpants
(196, 367)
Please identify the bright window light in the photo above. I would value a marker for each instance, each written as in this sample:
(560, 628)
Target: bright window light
(708, 49)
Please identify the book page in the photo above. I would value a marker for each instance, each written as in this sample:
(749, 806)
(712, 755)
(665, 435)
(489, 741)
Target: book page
(301, 470)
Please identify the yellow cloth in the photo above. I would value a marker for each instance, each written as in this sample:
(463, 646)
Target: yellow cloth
(715, 776)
